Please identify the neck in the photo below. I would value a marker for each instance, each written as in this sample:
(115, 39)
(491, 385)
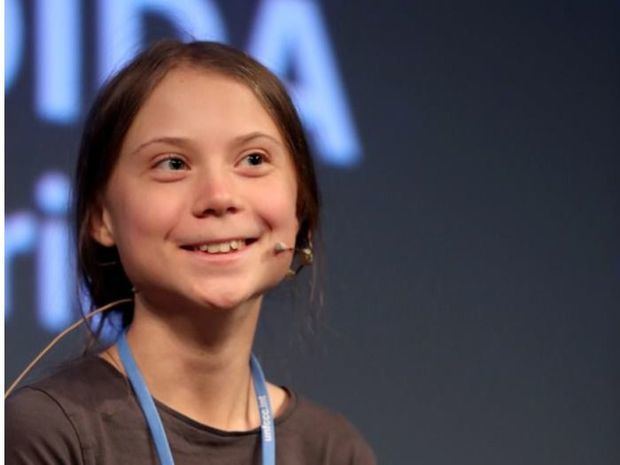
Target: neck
(198, 362)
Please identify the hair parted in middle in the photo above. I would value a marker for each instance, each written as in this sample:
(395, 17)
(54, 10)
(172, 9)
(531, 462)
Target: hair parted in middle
(112, 114)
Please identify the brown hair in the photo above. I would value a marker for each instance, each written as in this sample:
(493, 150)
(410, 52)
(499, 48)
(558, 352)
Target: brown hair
(110, 117)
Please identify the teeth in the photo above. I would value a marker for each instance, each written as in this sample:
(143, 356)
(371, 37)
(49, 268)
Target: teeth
(222, 247)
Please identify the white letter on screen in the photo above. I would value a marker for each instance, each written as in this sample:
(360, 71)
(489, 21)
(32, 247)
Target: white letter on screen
(291, 34)
(120, 27)
(58, 60)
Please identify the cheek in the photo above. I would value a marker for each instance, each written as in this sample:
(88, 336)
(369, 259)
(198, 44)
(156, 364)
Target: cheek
(138, 215)
(278, 206)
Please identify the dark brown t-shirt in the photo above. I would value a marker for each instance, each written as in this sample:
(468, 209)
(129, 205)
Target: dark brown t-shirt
(87, 414)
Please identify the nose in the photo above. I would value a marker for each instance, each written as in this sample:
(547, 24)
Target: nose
(215, 195)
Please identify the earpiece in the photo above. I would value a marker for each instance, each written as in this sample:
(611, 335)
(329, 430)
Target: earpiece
(306, 256)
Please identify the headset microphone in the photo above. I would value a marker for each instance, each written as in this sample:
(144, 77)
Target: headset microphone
(305, 254)
(281, 247)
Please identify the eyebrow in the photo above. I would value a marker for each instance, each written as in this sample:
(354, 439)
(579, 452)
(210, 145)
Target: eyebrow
(182, 141)
(163, 140)
(240, 140)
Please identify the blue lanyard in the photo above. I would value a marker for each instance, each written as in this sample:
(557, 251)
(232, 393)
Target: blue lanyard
(162, 447)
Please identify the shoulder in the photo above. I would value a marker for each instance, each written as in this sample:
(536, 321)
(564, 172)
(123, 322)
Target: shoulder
(325, 435)
(39, 430)
(84, 383)
(43, 420)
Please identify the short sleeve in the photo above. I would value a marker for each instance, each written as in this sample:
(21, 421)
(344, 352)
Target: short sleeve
(351, 447)
(38, 431)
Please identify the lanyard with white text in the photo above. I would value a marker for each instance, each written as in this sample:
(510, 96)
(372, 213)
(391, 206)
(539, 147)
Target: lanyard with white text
(162, 447)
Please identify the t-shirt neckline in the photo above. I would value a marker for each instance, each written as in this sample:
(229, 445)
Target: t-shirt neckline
(291, 406)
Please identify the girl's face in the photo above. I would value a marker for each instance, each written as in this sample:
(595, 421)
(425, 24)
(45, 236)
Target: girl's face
(203, 190)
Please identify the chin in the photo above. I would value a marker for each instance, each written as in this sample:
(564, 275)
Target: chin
(227, 295)
(224, 299)
(222, 303)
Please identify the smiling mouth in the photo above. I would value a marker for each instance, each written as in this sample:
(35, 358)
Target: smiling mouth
(223, 247)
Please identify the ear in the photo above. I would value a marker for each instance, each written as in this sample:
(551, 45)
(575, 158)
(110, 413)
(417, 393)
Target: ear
(101, 226)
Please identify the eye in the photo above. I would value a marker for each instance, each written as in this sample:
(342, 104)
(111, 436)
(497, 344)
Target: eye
(255, 163)
(255, 159)
(172, 163)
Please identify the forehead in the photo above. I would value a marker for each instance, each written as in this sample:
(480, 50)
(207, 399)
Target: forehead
(200, 104)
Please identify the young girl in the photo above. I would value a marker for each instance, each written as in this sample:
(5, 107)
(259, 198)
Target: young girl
(195, 192)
